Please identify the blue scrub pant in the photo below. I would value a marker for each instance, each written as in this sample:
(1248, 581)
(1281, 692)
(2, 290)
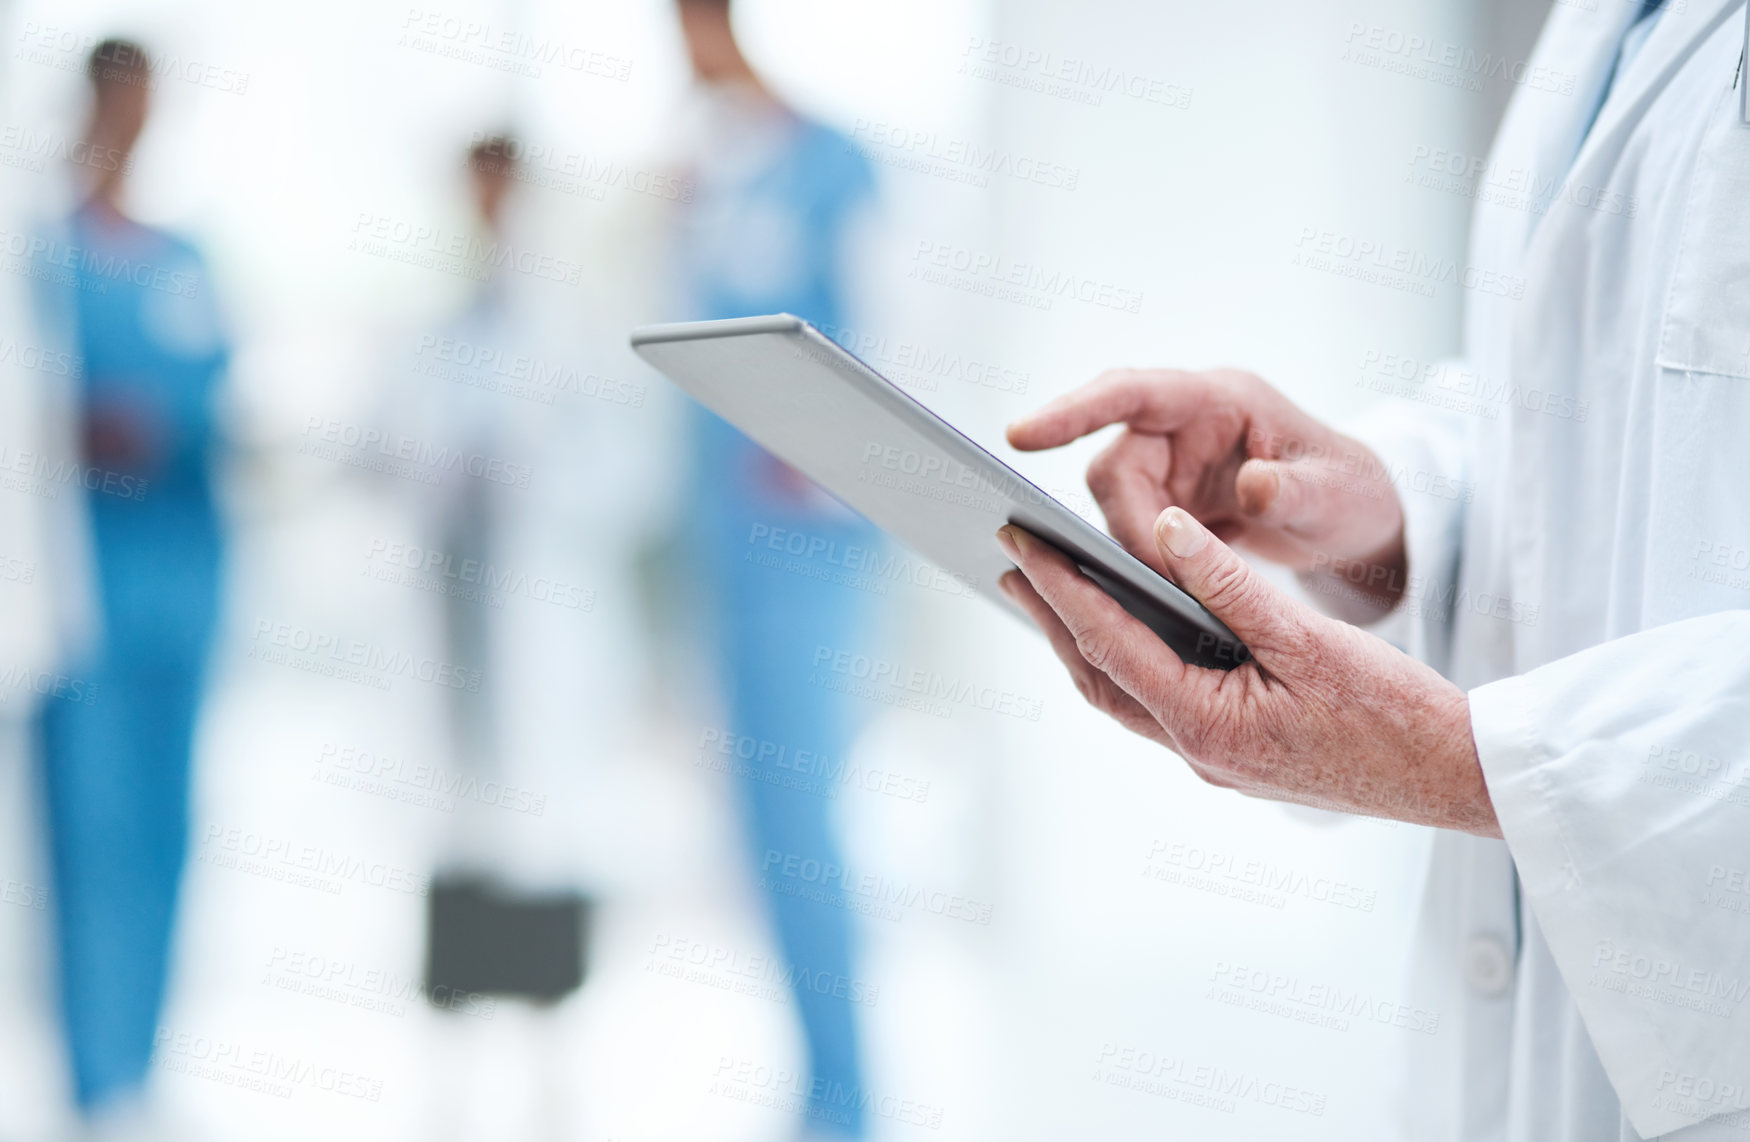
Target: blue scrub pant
(771, 624)
(115, 755)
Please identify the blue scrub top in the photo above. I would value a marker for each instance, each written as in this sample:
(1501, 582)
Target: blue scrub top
(147, 330)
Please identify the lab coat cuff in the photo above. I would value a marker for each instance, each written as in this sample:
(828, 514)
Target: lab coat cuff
(1511, 726)
(1505, 717)
(1525, 742)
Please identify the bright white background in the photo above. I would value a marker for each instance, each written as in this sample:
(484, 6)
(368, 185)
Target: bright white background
(1009, 1028)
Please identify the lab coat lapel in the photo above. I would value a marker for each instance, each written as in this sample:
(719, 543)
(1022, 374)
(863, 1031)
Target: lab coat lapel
(1544, 124)
(1538, 138)
(1681, 29)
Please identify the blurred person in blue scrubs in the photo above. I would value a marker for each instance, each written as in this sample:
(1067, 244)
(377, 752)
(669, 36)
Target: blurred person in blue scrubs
(137, 305)
(778, 197)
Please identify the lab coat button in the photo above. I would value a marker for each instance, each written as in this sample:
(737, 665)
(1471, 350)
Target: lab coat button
(1487, 966)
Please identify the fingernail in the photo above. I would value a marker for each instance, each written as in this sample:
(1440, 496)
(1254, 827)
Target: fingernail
(1006, 539)
(1009, 583)
(1179, 533)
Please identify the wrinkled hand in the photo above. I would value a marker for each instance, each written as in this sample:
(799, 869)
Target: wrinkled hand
(1324, 714)
(1241, 457)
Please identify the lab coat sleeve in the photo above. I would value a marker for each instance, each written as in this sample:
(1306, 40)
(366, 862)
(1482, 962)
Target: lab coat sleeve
(1426, 454)
(1621, 777)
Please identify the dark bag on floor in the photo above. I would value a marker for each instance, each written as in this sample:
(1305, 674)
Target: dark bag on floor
(484, 939)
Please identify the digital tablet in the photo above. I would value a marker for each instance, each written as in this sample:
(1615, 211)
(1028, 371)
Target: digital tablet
(805, 399)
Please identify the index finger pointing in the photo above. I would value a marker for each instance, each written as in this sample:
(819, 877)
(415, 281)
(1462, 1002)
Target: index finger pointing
(1149, 400)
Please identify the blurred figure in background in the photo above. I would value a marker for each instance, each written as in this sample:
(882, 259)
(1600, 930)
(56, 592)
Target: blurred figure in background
(534, 563)
(777, 199)
(136, 303)
(472, 419)
(536, 555)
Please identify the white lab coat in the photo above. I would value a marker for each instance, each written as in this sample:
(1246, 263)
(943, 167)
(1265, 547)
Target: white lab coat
(48, 607)
(564, 648)
(1590, 587)
(29, 644)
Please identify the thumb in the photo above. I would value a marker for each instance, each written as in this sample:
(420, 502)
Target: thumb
(1291, 495)
(1211, 572)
